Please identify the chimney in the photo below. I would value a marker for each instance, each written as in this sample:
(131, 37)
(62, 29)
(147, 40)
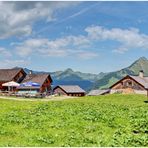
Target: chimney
(141, 73)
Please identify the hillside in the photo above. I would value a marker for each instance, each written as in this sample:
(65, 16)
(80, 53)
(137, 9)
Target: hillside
(133, 69)
(70, 77)
(90, 81)
(101, 121)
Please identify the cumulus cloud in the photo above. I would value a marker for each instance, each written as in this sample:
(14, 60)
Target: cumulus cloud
(17, 18)
(66, 46)
(79, 46)
(128, 38)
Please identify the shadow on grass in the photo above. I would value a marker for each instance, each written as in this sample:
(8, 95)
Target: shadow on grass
(146, 101)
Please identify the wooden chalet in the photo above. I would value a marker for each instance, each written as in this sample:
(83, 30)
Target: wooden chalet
(131, 84)
(69, 90)
(7, 75)
(43, 79)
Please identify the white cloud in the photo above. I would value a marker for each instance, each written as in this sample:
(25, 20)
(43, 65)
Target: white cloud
(16, 18)
(120, 50)
(79, 46)
(61, 47)
(87, 55)
(79, 40)
(128, 38)
(13, 63)
(4, 52)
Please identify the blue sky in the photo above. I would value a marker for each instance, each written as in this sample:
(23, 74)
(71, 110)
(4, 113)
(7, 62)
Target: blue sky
(85, 36)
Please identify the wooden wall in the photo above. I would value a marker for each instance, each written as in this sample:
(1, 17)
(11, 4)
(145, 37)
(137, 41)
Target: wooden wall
(46, 87)
(76, 94)
(1, 87)
(59, 91)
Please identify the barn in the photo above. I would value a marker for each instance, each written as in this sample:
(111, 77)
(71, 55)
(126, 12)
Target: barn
(7, 75)
(69, 90)
(131, 84)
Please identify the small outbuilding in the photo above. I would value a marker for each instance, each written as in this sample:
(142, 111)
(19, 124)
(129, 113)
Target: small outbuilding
(69, 90)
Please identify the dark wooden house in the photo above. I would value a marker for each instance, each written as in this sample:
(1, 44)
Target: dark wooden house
(131, 84)
(69, 90)
(43, 79)
(7, 75)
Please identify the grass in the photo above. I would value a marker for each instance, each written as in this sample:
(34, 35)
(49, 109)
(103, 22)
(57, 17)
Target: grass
(111, 120)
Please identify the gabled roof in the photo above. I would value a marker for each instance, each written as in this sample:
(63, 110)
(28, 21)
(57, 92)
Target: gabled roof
(142, 81)
(8, 74)
(38, 78)
(98, 92)
(71, 88)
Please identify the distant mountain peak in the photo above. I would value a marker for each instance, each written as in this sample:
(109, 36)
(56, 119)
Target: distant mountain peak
(133, 69)
(16, 67)
(142, 59)
(68, 70)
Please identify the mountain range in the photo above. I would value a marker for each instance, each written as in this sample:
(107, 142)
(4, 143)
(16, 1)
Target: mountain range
(112, 77)
(90, 81)
(70, 77)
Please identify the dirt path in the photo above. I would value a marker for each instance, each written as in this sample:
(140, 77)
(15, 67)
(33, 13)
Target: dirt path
(36, 99)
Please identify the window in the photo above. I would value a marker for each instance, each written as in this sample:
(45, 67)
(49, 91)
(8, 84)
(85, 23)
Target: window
(129, 84)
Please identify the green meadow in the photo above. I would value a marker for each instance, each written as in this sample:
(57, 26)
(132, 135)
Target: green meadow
(111, 120)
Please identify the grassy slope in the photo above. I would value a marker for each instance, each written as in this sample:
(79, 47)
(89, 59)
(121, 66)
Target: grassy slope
(113, 120)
